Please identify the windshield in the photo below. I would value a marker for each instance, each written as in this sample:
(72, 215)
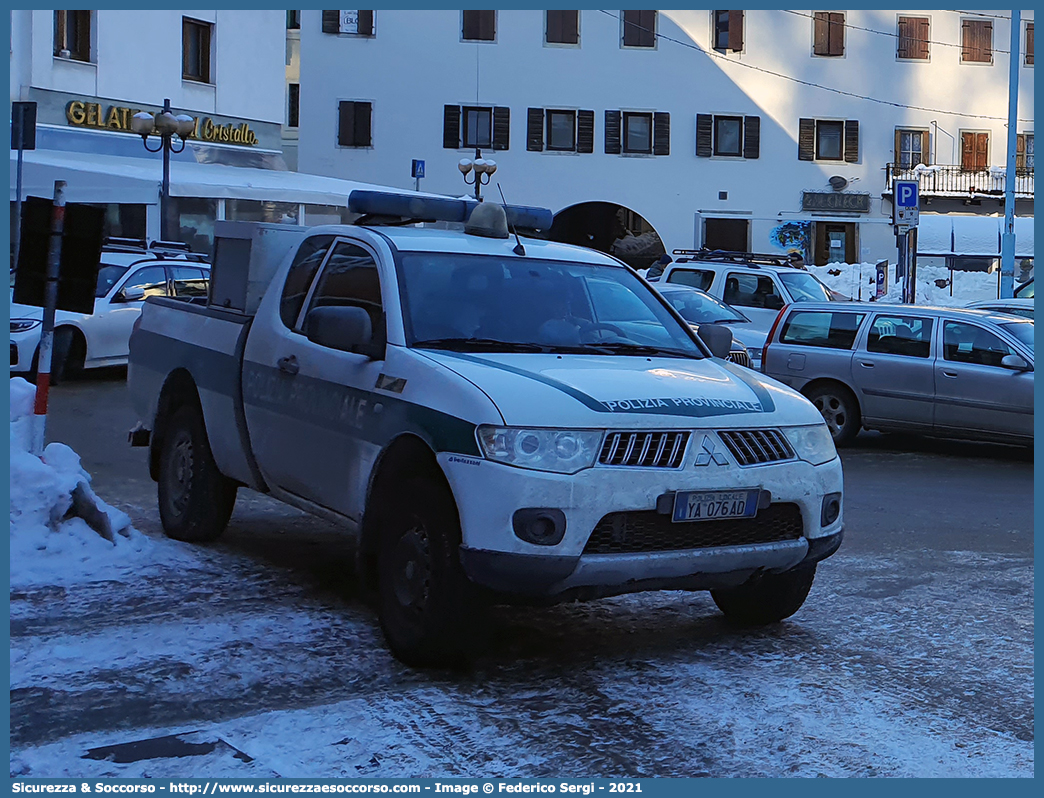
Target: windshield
(1022, 330)
(108, 275)
(517, 304)
(804, 287)
(699, 308)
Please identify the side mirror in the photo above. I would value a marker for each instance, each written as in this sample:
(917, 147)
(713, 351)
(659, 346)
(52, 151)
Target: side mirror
(718, 339)
(131, 293)
(347, 329)
(1015, 363)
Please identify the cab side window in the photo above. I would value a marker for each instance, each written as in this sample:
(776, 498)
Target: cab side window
(350, 279)
(697, 278)
(189, 281)
(752, 291)
(152, 280)
(900, 335)
(969, 343)
(299, 278)
(832, 330)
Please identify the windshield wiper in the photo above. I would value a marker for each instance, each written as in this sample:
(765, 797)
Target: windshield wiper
(481, 344)
(621, 348)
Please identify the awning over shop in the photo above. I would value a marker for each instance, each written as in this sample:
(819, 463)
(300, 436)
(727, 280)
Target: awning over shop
(971, 236)
(108, 178)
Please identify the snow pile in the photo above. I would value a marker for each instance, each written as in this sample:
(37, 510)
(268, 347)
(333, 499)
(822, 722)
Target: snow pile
(48, 544)
(933, 286)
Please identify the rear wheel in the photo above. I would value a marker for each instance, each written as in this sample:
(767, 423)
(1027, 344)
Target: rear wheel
(840, 411)
(767, 599)
(423, 593)
(195, 499)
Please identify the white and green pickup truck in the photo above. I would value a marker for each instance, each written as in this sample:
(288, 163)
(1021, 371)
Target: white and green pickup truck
(494, 418)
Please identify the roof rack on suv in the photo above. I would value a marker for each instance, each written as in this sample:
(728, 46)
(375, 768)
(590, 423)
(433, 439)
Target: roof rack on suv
(154, 249)
(752, 259)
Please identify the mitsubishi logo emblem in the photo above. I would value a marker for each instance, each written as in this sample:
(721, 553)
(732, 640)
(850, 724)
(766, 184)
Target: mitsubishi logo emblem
(710, 454)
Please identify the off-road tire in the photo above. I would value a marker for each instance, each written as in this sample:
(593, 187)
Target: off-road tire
(423, 595)
(195, 499)
(840, 411)
(767, 599)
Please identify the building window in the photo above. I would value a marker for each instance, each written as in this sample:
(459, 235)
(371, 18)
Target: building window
(293, 104)
(828, 33)
(1024, 152)
(353, 128)
(828, 140)
(476, 126)
(639, 28)
(913, 38)
(562, 27)
(730, 235)
(293, 20)
(977, 41)
(561, 130)
(911, 148)
(728, 135)
(637, 132)
(479, 26)
(195, 50)
(353, 23)
(732, 136)
(975, 151)
(728, 30)
(1029, 44)
(72, 35)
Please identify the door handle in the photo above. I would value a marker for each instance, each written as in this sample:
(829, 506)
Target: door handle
(951, 374)
(288, 365)
(866, 364)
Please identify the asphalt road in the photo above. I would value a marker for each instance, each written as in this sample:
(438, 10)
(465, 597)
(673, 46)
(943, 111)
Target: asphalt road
(912, 656)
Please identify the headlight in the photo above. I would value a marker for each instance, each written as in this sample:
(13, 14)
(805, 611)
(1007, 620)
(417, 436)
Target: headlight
(812, 444)
(754, 352)
(22, 325)
(559, 450)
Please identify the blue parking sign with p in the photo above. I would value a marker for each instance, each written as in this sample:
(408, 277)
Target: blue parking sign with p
(906, 194)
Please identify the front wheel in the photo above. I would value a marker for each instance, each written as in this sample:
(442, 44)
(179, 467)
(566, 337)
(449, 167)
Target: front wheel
(424, 609)
(195, 499)
(767, 599)
(840, 411)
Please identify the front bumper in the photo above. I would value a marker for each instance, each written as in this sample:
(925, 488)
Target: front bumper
(488, 494)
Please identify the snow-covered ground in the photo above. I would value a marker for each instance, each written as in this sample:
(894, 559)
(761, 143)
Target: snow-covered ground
(933, 283)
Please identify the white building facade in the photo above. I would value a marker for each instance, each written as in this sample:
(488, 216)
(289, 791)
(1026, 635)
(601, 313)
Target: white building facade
(760, 130)
(89, 72)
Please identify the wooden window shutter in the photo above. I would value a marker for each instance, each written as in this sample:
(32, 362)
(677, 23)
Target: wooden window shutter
(1029, 43)
(346, 123)
(363, 113)
(471, 25)
(535, 128)
(83, 36)
(968, 151)
(501, 128)
(480, 25)
(571, 27)
(585, 131)
(806, 139)
(751, 136)
(612, 133)
(366, 23)
(905, 25)
(1020, 151)
(897, 156)
(977, 40)
(736, 31)
(451, 127)
(331, 22)
(982, 150)
(554, 27)
(926, 148)
(661, 133)
(922, 39)
(704, 134)
(851, 140)
(837, 34)
(821, 33)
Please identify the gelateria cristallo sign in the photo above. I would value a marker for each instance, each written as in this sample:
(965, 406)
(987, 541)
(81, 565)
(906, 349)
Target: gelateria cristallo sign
(118, 118)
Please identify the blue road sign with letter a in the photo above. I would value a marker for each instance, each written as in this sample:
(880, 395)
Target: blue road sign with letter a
(906, 194)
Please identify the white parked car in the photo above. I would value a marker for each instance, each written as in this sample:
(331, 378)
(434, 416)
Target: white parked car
(756, 285)
(698, 307)
(1016, 306)
(127, 275)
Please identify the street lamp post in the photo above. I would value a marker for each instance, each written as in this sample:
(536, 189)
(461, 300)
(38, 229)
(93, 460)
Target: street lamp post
(167, 126)
(483, 169)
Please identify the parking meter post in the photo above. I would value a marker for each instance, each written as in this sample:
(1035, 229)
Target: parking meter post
(911, 263)
(900, 267)
(43, 368)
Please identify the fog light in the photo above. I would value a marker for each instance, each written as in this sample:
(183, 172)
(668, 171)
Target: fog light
(831, 509)
(542, 526)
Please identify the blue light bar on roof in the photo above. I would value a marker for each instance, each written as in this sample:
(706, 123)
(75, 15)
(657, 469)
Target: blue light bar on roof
(440, 209)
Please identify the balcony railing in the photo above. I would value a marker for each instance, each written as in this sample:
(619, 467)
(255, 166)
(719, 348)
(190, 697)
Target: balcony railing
(955, 181)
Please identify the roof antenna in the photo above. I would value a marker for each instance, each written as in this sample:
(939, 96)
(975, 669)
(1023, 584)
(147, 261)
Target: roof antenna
(519, 249)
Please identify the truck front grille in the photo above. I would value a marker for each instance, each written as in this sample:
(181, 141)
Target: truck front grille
(757, 446)
(635, 532)
(643, 449)
(740, 358)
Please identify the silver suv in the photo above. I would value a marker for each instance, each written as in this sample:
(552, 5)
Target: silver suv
(939, 371)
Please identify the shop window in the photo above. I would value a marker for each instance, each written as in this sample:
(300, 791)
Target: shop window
(976, 41)
(730, 235)
(728, 30)
(325, 214)
(479, 26)
(262, 211)
(72, 35)
(913, 38)
(828, 33)
(195, 221)
(562, 27)
(639, 28)
(196, 40)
